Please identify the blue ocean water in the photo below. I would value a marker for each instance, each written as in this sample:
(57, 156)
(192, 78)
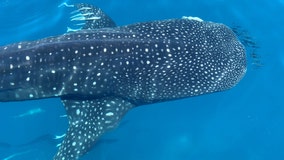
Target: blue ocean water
(244, 123)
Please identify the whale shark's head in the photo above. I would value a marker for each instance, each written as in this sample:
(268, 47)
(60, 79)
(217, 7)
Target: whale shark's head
(224, 59)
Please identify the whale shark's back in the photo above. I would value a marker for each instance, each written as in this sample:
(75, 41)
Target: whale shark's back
(144, 62)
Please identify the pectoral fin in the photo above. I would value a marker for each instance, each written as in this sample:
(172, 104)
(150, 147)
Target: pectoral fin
(88, 120)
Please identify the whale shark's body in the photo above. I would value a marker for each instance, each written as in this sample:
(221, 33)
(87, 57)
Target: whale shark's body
(100, 74)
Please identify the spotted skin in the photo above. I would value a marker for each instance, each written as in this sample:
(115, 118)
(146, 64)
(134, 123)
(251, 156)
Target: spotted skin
(100, 74)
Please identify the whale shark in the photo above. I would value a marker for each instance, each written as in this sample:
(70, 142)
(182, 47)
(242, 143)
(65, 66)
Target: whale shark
(100, 73)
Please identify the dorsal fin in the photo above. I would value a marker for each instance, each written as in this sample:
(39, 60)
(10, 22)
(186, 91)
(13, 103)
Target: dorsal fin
(91, 17)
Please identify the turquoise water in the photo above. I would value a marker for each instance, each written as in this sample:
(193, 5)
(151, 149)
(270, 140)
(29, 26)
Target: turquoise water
(244, 123)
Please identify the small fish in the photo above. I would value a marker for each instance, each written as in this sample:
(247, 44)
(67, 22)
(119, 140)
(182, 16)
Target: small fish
(30, 113)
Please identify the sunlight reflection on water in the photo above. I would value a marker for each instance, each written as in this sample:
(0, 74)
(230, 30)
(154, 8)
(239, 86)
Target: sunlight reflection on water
(27, 20)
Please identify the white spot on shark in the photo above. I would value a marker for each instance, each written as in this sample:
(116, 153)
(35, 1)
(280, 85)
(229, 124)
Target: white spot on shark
(28, 58)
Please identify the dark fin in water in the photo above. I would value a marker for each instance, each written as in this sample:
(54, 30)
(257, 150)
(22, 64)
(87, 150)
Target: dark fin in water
(88, 120)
